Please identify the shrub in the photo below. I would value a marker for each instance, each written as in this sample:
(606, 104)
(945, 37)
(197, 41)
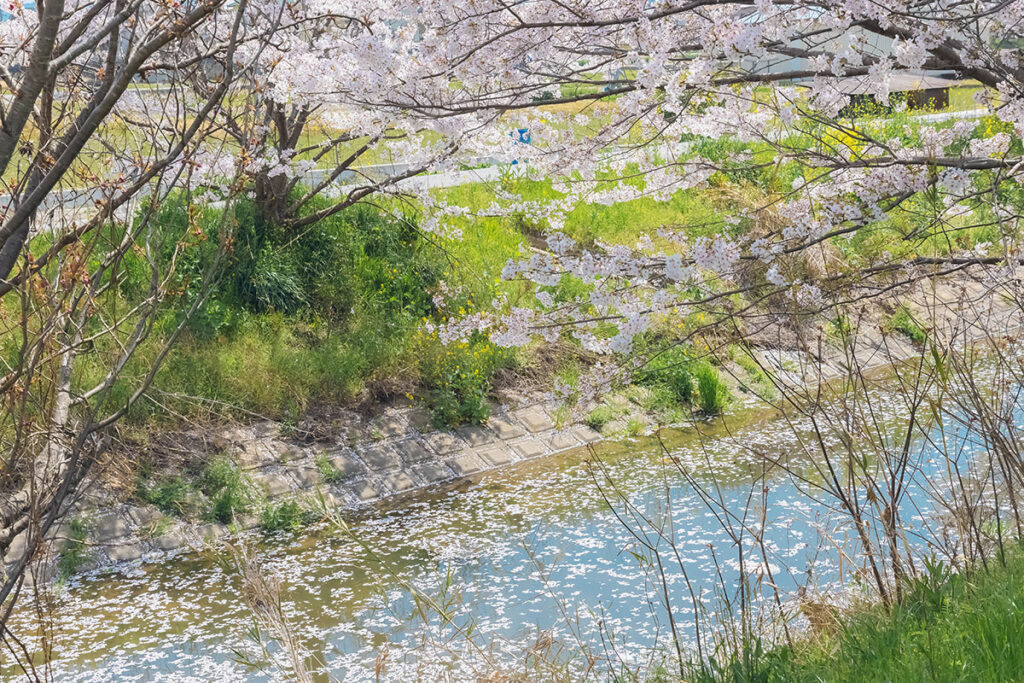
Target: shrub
(226, 488)
(296, 315)
(712, 394)
(357, 259)
(458, 377)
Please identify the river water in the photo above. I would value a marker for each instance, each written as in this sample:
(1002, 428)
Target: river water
(532, 554)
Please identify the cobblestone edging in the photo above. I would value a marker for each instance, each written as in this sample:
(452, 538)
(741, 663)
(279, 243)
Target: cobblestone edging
(405, 456)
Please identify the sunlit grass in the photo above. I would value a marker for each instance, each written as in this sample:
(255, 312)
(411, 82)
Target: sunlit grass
(948, 628)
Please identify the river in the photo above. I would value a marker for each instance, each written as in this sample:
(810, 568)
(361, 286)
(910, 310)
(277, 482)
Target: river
(525, 558)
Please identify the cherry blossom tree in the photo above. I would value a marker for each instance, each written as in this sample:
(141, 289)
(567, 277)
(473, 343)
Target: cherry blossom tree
(760, 103)
(735, 94)
(102, 104)
(106, 101)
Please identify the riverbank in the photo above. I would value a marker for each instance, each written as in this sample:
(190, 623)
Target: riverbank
(949, 627)
(512, 552)
(349, 462)
(275, 476)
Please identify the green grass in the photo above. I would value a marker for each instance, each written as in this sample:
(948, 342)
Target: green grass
(670, 372)
(227, 488)
(287, 515)
(904, 322)
(755, 379)
(168, 494)
(712, 393)
(328, 472)
(948, 628)
(600, 416)
(332, 315)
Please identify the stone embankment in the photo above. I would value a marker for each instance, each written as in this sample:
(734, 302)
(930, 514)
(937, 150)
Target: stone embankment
(397, 452)
(955, 312)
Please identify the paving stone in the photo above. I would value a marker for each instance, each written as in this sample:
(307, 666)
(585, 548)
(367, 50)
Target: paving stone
(124, 553)
(586, 434)
(285, 452)
(331, 500)
(466, 464)
(306, 477)
(172, 540)
(17, 548)
(247, 521)
(432, 472)
(110, 526)
(475, 435)
(363, 490)
(419, 419)
(274, 484)
(266, 429)
(561, 441)
(496, 455)
(505, 429)
(254, 454)
(61, 537)
(380, 457)
(444, 443)
(535, 418)
(144, 516)
(618, 426)
(399, 481)
(211, 532)
(347, 465)
(391, 425)
(530, 448)
(413, 451)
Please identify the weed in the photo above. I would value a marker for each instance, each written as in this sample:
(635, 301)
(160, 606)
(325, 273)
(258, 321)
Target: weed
(286, 515)
(839, 328)
(635, 427)
(226, 488)
(75, 552)
(672, 370)
(169, 494)
(759, 382)
(712, 394)
(599, 417)
(904, 322)
(328, 472)
(949, 627)
(460, 377)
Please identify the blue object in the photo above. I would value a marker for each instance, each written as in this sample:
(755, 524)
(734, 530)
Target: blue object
(7, 16)
(520, 135)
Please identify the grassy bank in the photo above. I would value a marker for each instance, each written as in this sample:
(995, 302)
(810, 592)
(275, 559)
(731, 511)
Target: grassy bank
(335, 315)
(949, 627)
